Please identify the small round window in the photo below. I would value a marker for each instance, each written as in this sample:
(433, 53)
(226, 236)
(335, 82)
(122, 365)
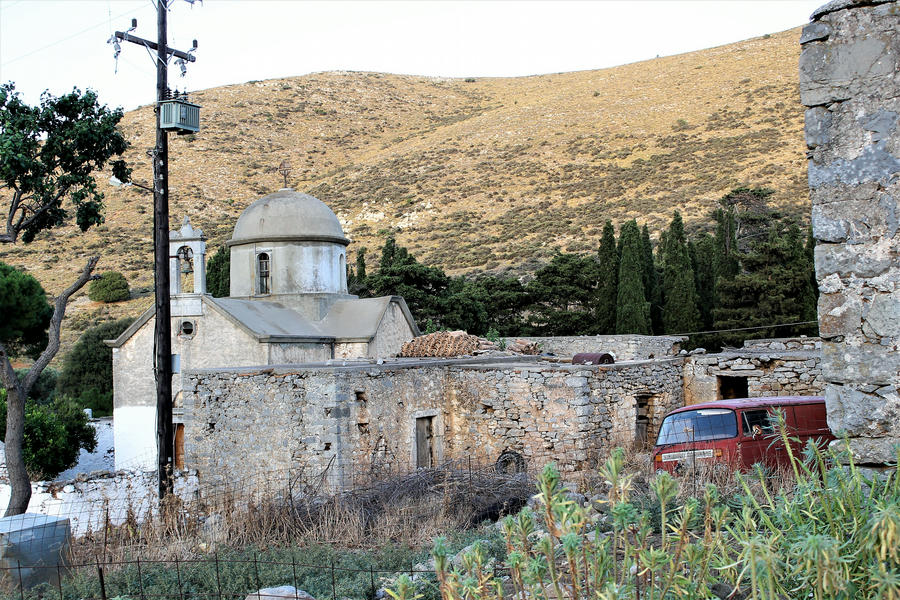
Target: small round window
(187, 328)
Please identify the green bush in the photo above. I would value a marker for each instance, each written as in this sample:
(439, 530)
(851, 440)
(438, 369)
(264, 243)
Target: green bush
(836, 534)
(111, 287)
(54, 436)
(86, 374)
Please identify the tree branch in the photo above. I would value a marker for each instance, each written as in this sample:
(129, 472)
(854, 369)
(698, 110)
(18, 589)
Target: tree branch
(12, 232)
(59, 311)
(7, 372)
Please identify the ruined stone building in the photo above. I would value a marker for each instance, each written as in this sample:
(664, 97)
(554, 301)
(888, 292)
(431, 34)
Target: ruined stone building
(291, 372)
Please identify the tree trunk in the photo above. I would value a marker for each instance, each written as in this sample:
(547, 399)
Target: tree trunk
(20, 484)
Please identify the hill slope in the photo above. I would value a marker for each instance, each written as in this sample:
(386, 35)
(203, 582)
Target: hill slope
(470, 174)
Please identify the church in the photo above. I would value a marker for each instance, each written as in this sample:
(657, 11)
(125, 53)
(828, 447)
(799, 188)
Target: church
(288, 304)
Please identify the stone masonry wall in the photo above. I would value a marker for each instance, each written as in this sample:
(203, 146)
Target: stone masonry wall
(850, 82)
(769, 372)
(623, 347)
(240, 424)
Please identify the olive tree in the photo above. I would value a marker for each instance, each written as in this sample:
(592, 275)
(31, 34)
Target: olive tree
(48, 154)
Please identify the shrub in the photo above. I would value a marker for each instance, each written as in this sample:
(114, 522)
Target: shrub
(835, 535)
(86, 375)
(111, 287)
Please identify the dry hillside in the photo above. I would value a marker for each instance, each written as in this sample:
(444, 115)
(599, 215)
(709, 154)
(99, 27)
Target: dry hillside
(470, 174)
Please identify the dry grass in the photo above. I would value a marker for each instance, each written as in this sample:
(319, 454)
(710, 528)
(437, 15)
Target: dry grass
(507, 170)
(409, 509)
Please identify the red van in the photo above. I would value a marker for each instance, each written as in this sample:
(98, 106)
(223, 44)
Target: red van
(738, 432)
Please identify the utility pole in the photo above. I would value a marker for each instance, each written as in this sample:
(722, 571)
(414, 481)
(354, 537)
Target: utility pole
(165, 431)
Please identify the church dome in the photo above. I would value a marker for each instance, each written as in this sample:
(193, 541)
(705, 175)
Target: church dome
(287, 215)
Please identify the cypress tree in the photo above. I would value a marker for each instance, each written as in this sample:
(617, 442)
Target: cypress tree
(632, 308)
(726, 258)
(680, 312)
(652, 289)
(218, 273)
(608, 281)
(361, 264)
(703, 262)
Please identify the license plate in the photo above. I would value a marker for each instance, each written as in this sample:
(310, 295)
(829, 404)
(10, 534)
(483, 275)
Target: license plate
(687, 456)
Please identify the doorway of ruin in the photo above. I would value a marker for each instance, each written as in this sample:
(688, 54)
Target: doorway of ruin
(424, 442)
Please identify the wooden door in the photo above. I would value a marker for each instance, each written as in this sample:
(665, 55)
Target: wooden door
(424, 443)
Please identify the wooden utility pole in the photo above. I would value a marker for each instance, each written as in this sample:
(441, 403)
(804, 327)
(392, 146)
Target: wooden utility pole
(165, 431)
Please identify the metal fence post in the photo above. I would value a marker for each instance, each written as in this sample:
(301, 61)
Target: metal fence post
(333, 587)
(22, 583)
(178, 575)
(218, 578)
(102, 582)
(140, 579)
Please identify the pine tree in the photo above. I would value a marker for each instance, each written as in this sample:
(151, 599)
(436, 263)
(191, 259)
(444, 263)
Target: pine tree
(564, 295)
(632, 308)
(680, 312)
(773, 289)
(608, 279)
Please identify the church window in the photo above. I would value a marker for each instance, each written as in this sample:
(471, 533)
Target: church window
(263, 282)
(186, 328)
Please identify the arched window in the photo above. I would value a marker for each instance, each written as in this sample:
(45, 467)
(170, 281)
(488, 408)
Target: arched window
(262, 274)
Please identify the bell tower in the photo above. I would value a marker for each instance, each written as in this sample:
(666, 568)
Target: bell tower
(187, 269)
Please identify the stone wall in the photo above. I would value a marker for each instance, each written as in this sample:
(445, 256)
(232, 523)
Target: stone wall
(850, 82)
(242, 424)
(89, 500)
(623, 347)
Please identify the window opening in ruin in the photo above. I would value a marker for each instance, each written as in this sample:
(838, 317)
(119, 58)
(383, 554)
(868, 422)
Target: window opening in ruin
(731, 387)
(361, 396)
(642, 420)
(179, 446)
(327, 446)
(424, 442)
(262, 273)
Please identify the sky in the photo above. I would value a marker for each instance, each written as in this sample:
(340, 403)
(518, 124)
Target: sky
(58, 45)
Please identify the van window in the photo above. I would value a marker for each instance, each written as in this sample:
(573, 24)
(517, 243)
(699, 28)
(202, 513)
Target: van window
(757, 422)
(697, 426)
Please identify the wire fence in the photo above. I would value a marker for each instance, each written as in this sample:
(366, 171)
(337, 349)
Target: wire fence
(211, 577)
(122, 539)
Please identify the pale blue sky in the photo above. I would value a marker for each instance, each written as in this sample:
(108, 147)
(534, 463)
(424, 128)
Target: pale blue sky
(56, 45)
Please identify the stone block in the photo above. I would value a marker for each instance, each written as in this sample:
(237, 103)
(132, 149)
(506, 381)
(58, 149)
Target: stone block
(854, 218)
(862, 260)
(883, 316)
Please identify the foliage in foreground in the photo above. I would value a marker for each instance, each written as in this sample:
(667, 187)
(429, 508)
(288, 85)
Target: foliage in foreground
(835, 536)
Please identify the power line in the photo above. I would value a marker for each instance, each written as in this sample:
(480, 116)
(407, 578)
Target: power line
(747, 328)
(67, 38)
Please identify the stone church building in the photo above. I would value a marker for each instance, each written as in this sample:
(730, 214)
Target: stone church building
(288, 304)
